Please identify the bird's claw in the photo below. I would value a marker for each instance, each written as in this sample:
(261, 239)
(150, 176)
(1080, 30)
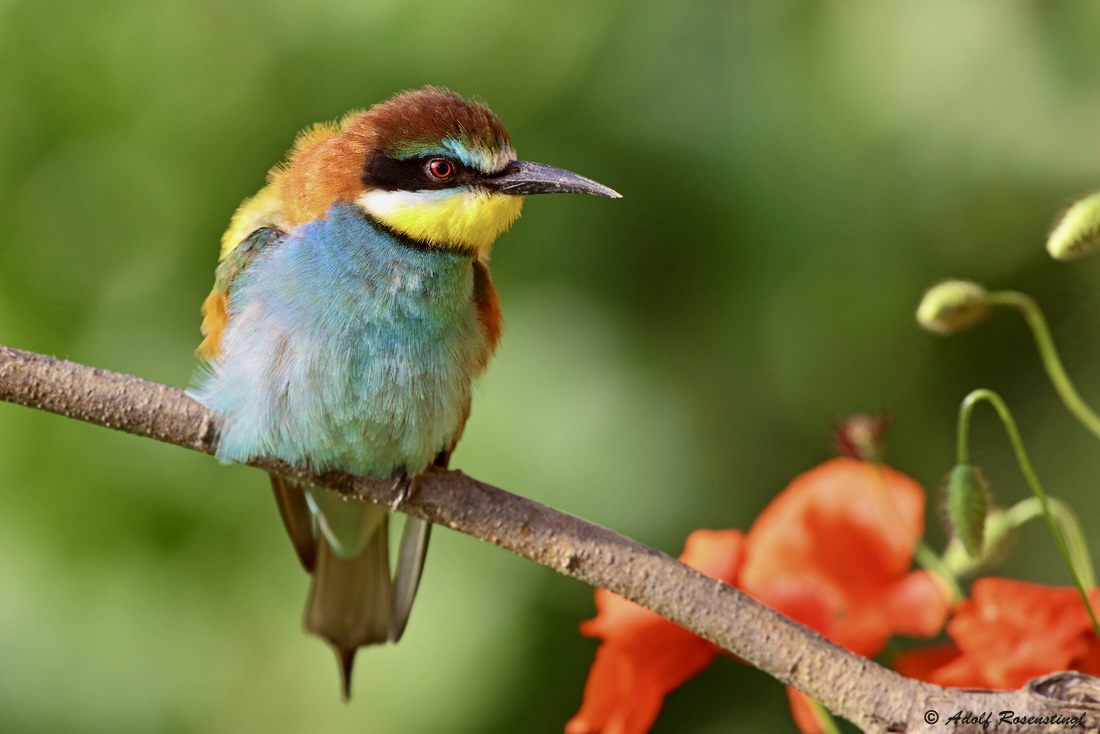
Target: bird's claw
(403, 488)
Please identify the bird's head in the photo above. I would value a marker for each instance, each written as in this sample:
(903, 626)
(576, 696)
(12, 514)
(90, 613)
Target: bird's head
(430, 166)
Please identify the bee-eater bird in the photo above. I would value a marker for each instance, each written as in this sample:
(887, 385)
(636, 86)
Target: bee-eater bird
(352, 309)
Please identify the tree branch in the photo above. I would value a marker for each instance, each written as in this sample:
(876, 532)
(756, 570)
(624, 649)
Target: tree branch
(870, 696)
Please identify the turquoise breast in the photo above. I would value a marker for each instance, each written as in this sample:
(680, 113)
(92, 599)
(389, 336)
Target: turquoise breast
(346, 349)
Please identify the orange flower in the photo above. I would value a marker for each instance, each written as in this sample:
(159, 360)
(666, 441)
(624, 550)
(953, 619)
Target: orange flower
(643, 656)
(833, 551)
(1007, 633)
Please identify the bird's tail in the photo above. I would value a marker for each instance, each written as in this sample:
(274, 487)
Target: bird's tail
(353, 601)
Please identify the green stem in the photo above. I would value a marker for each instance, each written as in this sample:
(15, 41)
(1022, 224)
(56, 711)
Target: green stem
(926, 558)
(1024, 462)
(1030, 508)
(1033, 315)
(825, 718)
(958, 563)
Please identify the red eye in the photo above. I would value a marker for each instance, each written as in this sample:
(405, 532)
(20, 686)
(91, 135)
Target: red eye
(441, 168)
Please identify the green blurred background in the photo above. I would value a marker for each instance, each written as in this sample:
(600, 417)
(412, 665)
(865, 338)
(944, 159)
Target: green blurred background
(794, 176)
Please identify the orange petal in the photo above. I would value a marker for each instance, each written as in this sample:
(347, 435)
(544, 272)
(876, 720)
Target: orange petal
(918, 604)
(644, 657)
(715, 553)
(844, 533)
(630, 678)
(924, 664)
(615, 616)
(805, 713)
(1014, 631)
(843, 519)
(1009, 632)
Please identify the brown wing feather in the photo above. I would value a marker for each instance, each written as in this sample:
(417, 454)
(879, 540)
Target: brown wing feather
(488, 310)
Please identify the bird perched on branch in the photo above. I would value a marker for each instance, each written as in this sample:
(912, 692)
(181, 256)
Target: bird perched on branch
(351, 311)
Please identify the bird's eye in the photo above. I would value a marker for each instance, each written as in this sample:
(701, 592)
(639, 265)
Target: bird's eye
(441, 168)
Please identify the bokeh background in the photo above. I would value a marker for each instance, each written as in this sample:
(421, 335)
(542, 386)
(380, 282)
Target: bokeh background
(794, 176)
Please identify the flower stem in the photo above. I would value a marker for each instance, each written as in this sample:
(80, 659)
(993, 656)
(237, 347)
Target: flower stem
(1024, 462)
(825, 718)
(1030, 508)
(1033, 315)
(927, 559)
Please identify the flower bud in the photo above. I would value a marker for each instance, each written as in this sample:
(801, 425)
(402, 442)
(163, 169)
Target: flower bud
(953, 305)
(862, 436)
(968, 507)
(1077, 232)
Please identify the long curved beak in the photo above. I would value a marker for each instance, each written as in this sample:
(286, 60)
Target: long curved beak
(522, 178)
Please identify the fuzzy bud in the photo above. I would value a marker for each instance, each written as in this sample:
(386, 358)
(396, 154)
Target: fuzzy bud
(968, 507)
(1077, 232)
(953, 305)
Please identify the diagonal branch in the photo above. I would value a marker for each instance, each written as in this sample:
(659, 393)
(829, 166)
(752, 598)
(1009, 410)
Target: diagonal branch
(872, 697)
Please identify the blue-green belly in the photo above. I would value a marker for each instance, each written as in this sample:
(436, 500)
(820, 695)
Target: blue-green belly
(346, 349)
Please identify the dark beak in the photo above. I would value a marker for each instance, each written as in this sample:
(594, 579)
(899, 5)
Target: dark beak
(522, 178)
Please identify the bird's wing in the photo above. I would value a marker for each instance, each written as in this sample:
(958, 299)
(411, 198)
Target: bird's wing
(411, 555)
(290, 497)
(488, 312)
(215, 309)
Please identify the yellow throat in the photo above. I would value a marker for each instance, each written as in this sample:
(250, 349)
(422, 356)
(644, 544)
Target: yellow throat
(461, 219)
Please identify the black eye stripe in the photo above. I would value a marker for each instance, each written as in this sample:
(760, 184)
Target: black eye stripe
(412, 174)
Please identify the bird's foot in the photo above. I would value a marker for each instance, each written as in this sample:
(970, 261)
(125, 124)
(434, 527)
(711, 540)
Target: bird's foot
(402, 489)
(404, 486)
